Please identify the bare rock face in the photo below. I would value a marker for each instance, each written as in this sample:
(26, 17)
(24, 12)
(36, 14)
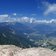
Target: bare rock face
(11, 50)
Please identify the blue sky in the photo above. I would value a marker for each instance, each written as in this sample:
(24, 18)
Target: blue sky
(40, 9)
(18, 6)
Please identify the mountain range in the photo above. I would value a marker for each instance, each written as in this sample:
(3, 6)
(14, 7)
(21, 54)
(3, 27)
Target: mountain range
(27, 35)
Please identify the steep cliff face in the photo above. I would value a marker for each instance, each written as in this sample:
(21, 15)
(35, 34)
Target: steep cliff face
(10, 50)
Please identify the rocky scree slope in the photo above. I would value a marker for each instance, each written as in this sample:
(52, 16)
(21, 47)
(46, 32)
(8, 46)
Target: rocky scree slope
(11, 50)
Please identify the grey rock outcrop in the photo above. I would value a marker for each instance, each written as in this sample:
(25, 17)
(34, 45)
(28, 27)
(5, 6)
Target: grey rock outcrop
(11, 50)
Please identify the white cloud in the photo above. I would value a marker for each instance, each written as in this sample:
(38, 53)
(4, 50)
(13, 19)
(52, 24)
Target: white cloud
(45, 4)
(4, 15)
(14, 14)
(46, 21)
(26, 19)
(8, 18)
(51, 8)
